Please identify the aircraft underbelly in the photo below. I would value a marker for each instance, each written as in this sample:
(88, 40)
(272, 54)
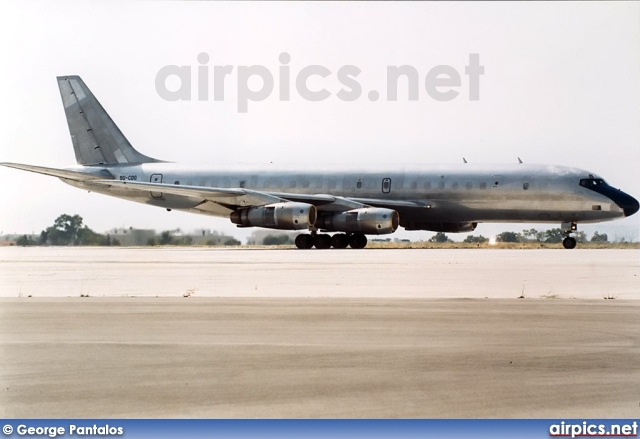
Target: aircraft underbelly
(509, 211)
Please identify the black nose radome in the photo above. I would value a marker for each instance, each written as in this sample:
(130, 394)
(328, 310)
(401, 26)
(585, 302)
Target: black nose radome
(630, 206)
(627, 203)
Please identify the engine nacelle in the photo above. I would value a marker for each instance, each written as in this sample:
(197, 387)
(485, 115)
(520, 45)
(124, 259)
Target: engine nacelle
(283, 216)
(367, 220)
(441, 227)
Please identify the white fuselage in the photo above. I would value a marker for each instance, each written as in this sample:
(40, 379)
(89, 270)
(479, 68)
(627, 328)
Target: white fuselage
(453, 193)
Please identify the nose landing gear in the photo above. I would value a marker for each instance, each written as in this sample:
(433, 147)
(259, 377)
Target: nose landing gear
(569, 242)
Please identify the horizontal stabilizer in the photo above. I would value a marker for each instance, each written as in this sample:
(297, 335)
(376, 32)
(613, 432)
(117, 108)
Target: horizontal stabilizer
(88, 174)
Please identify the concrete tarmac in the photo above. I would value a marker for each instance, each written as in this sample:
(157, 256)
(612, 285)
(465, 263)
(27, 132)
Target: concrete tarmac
(393, 273)
(373, 333)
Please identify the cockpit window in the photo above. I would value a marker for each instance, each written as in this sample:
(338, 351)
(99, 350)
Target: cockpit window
(591, 183)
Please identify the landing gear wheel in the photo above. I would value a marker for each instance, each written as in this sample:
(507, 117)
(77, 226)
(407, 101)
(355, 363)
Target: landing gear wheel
(569, 242)
(323, 242)
(304, 241)
(358, 240)
(340, 240)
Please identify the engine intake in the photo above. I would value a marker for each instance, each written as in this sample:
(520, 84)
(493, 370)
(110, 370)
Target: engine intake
(367, 220)
(283, 216)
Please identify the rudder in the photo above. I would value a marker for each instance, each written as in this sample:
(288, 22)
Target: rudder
(96, 138)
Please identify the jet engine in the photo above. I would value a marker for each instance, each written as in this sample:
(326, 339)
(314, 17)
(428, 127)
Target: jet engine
(367, 220)
(283, 216)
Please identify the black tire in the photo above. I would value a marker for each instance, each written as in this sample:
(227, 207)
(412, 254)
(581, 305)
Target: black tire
(569, 243)
(304, 241)
(358, 240)
(323, 242)
(340, 240)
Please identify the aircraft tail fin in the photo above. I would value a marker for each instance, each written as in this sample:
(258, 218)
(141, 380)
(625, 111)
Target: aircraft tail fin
(97, 140)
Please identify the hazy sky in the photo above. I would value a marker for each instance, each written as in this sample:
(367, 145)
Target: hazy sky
(561, 85)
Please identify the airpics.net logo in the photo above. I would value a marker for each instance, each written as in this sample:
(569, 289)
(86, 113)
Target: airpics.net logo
(314, 83)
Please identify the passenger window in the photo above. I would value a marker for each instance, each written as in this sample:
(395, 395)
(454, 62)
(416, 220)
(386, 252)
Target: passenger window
(359, 184)
(525, 186)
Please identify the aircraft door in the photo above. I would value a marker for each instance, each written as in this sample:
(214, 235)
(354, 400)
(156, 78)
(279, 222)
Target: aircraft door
(386, 185)
(156, 178)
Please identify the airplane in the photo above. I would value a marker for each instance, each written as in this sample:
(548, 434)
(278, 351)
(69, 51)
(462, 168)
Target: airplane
(351, 202)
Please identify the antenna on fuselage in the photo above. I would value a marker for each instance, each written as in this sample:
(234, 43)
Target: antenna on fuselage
(519, 160)
(464, 160)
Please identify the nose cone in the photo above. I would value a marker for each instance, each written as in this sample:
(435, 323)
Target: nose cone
(626, 202)
(631, 207)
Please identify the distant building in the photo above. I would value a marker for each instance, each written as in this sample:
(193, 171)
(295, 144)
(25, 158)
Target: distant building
(209, 237)
(257, 237)
(130, 236)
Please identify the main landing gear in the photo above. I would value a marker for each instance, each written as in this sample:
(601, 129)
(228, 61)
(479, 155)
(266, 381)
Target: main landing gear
(324, 241)
(569, 242)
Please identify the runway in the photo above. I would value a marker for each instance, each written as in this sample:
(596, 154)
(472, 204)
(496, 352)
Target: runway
(369, 334)
(380, 358)
(393, 273)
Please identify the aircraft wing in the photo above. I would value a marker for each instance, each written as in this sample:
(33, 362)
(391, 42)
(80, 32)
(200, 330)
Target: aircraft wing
(227, 196)
(240, 197)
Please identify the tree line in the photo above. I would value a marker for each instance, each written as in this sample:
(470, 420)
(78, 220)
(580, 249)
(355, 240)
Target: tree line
(551, 236)
(69, 230)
